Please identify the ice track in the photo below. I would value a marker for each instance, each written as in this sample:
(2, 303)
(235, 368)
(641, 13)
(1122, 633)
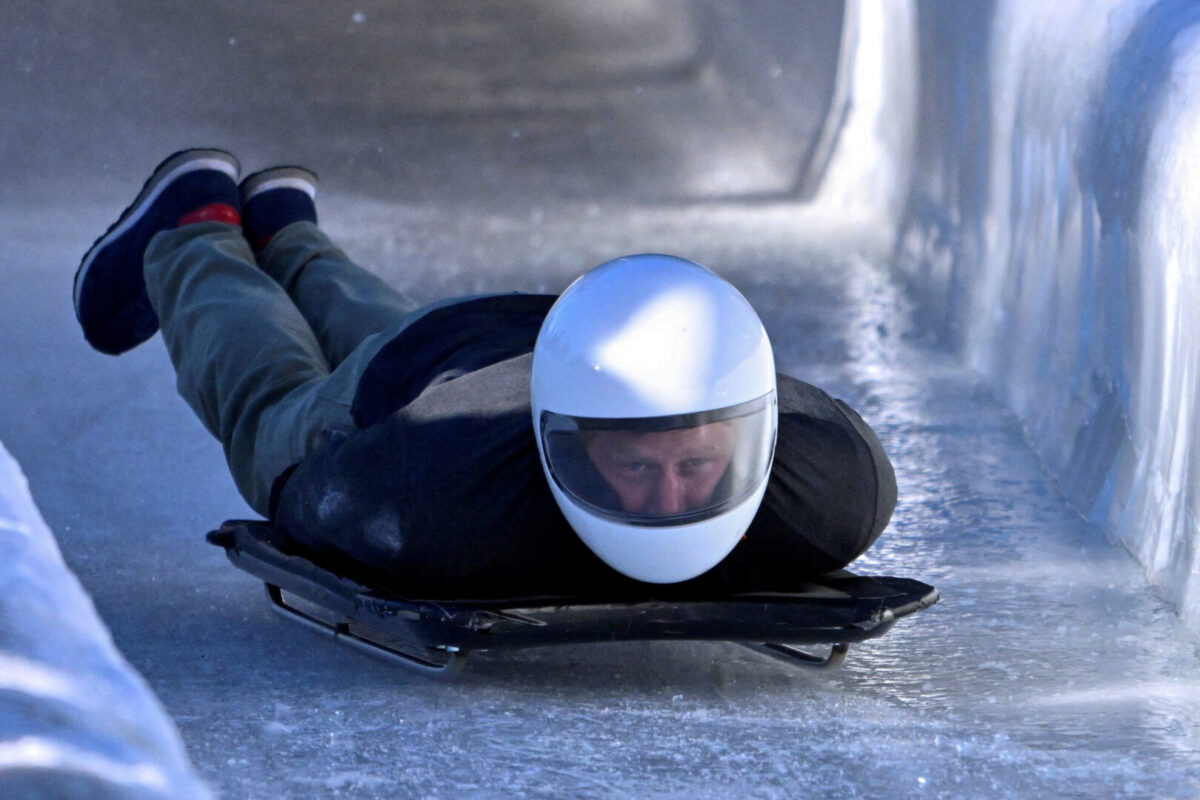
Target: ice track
(463, 149)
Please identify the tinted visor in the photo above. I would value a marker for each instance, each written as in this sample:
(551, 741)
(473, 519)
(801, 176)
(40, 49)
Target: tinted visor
(662, 470)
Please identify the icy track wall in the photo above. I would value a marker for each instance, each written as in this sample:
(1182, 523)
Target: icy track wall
(1052, 236)
(75, 719)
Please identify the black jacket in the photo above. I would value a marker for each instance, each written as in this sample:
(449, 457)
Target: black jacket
(439, 492)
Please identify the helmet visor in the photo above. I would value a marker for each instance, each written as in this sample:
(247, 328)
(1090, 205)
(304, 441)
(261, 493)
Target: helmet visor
(662, 470)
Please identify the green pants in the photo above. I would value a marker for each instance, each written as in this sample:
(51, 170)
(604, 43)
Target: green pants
(268, 350)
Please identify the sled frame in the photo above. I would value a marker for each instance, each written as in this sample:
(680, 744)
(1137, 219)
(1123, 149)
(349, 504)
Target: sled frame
(434, 637)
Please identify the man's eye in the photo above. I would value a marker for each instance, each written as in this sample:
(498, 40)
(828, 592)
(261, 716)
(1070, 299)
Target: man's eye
(635, 466)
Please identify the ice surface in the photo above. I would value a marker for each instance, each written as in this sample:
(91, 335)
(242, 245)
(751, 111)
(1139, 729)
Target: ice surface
(1051, 668)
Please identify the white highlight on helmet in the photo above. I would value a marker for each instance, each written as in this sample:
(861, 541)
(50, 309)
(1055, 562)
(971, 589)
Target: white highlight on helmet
(663, 354)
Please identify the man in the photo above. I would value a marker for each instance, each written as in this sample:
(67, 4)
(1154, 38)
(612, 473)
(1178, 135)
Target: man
(629, 438)
(665, 472)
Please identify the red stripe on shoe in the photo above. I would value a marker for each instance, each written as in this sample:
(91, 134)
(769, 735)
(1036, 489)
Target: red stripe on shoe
(213, 212)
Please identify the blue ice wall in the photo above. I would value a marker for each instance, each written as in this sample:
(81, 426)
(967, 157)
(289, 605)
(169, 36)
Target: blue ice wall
(76, 721)
(1050, 237)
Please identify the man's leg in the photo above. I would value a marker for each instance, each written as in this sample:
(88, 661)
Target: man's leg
(246, 360)
(343, 303)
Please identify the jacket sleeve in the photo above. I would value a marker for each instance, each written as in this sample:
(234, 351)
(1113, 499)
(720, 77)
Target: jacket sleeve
(830, 495)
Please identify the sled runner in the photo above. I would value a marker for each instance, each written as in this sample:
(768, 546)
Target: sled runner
(831, 612)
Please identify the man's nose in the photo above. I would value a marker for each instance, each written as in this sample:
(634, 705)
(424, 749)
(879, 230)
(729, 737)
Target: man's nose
(672, 492)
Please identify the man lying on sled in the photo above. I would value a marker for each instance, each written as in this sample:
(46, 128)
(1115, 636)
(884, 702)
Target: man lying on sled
(628, 438)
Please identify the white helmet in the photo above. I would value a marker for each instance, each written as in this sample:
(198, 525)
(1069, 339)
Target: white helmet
(654, 406)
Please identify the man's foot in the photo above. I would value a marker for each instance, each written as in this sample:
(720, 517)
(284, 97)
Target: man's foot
(275, 198)
(110, 291)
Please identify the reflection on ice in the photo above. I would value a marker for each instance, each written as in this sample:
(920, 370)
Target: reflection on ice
(1130, 692)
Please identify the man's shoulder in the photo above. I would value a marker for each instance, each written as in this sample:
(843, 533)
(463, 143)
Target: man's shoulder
(800, 396)
(444, 343)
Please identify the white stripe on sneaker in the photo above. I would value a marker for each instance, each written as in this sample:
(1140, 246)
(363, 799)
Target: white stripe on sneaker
(282, 183)
(217, 164)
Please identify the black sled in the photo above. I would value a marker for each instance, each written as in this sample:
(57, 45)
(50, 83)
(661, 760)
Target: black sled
(831, 612)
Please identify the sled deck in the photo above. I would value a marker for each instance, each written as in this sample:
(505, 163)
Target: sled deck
(831, 612)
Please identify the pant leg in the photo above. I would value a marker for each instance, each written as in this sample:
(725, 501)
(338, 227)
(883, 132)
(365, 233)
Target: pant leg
(343, 303)
(246, 360)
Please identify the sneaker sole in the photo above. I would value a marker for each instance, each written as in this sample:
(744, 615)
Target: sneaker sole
(164, 174)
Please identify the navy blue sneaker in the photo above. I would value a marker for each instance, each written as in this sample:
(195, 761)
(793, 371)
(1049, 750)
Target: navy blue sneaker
(275, 198)
(110, 291)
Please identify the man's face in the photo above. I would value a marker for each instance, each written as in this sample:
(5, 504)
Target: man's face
(666, 472)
